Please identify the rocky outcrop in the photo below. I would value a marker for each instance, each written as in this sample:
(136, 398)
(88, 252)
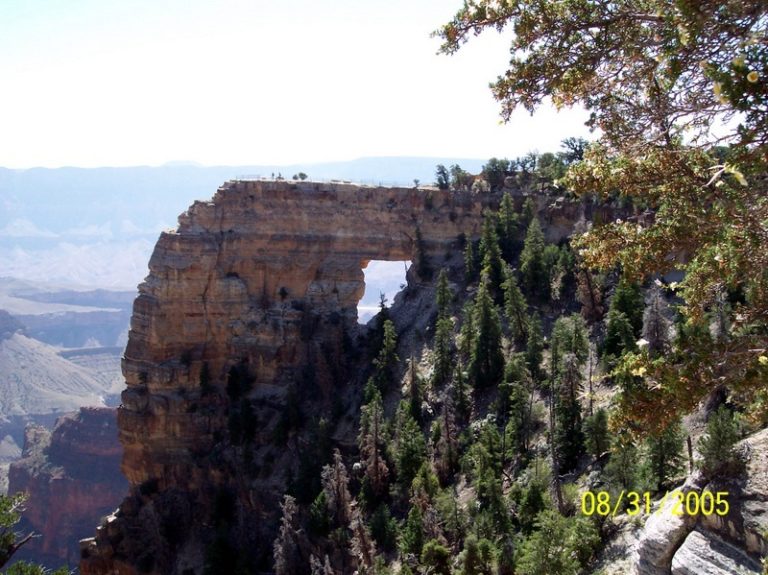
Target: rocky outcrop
(664, 532)
(72, 479)
(710, 544)
(250, 307)
(704, 553)
(747, 522)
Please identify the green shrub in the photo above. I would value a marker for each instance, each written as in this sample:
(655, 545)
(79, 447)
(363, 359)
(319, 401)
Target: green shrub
(559, 546)
(717, 448)
(436, 558)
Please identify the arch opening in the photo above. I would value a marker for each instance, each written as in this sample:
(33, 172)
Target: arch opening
(381, 277)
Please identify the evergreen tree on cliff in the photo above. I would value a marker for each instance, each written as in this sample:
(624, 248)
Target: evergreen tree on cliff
(656, 77)
(490, 254)
(515, 308)
(508, 224)
(486, 365)
(371, 443)
(443, 346)
(532, 268)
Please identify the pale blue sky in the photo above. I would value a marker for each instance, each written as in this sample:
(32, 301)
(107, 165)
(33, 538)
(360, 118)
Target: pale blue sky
(132, 82)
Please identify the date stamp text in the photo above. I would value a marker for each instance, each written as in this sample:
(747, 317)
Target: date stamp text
(675, 502)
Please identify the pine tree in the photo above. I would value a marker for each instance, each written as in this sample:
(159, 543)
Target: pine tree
(436, 558)
(665, 454)
(628, 299)
(335, 482)
(515, 308)
(447, 448)
(555, 273)
(507, 230)
(570, 335)
(596, 438)
(619, 337)
(473, 560)
(362, 546)
(371, 442)
(566, 264)
(529, 211)
(459, 393)
(412, 534)
(467, 333)
(531, 504)
(486, 456)
(506, 557)
(442, 177)
(384, 528)
(318, 568)
(568, 437)
(410, 447)
(443, 346)
(558, 276)
(559, 546)
(319, 522)
(534, 352)
(717, 447)
(461, 180)
(655, 325)
(11, 541)
(386, 362)
(532, 268)
(286, 546)
(518, 426)
(486, 364)
(471, 267)
(381, 318)
(494, 172)
(554, 451)
(623, 470)
(489, 252)
(514, 373)
(414, 390)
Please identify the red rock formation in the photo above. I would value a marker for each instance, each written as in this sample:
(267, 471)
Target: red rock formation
(72, 478)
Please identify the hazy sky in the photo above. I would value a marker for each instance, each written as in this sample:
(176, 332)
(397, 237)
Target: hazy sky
(107, 82)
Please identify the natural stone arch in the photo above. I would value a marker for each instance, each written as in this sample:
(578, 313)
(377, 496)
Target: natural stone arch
(246, 275)
(262, 275)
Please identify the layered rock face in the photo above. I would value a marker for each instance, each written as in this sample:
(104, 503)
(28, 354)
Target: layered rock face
(72, 478)
(255, 291)
(265, 275)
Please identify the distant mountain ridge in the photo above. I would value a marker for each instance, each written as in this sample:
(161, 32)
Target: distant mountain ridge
(96, 227)
(35, 380)
(76, 202)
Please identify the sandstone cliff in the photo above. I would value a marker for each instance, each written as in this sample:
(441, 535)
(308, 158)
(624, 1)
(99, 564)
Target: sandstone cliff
(247, 322)
(72, 478)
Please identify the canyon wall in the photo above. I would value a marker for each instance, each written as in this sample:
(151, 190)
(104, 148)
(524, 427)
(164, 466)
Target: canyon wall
(251, 299)
(72, 478)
